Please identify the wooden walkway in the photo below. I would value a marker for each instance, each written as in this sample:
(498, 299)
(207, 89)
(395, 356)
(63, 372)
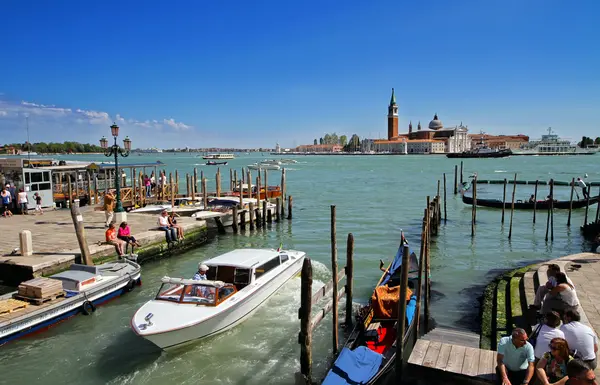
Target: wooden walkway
(453, 354)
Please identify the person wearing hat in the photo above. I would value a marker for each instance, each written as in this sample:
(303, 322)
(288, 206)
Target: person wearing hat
(201, 273)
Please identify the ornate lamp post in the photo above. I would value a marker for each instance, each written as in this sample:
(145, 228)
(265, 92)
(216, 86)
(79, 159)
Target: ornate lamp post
(115, 151)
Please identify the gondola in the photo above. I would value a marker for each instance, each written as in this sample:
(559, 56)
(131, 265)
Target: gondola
(540, 205)
(369, 353)
(211, 163)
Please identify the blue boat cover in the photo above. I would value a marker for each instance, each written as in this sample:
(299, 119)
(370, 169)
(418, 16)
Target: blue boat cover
(413, 263)
(410, 309)
(352, 367)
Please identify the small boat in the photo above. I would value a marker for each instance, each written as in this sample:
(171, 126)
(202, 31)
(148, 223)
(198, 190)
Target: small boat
(370, 351)
(85, 287)
(264, 166)
(218, 156)
(271, 161)
(238, 282)
(272, 191)
(213, 163)
(481, 152)
(526, 205)
(288, 161)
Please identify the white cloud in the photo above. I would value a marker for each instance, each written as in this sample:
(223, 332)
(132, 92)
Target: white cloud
(178, 126)
(3, 113)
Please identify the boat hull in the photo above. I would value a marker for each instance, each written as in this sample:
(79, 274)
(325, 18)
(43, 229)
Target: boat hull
(225, 320)
(540, 205)
(49, 316)
(498, 154)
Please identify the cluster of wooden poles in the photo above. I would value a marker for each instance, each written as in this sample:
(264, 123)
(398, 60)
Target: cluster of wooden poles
(308, 321)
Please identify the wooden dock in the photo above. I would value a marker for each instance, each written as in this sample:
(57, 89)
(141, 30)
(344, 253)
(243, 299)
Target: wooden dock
(453, 355)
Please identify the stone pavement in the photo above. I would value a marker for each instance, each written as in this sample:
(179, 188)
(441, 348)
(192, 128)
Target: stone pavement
(54, 240)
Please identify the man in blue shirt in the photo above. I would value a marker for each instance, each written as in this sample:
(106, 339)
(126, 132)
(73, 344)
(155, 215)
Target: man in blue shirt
(201, 273)
(515, 359)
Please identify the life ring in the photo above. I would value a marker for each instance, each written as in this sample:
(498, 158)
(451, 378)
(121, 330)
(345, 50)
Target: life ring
(130, 285)
(88, 308)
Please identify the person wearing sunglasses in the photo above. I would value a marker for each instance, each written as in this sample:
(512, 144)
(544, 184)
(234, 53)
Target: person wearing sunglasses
(515, 362)
(552, 367)
(580, 373)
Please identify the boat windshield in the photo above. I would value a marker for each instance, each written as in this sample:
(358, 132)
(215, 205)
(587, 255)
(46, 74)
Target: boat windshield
(197, 293)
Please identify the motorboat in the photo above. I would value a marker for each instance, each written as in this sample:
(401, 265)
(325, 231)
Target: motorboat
(84, 287)
(264, 166)
(239, 281)
(183, 206)
(213, 163)
(271, 161)
(288, 161)
(218, 156)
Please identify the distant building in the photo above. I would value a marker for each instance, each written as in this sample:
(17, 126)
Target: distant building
(499, 141)
(426, 146)
(319, 148)
(277, 148)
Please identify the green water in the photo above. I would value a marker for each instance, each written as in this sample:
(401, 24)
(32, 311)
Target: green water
(375, 197)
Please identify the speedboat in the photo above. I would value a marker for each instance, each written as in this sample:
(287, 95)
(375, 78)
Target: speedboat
(271, 161)
(288, 161)
(264, 166)
(84, 288)
(238, 282)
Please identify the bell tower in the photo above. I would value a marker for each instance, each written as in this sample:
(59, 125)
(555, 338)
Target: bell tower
(392, 117)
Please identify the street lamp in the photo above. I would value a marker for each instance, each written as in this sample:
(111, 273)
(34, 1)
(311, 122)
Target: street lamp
(115, 151)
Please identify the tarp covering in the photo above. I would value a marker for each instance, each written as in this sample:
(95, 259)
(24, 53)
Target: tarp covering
(385, 301)
(354, 367)
(395, 267)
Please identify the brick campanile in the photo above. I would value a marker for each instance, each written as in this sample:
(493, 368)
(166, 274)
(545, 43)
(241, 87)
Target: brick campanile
(392, 117)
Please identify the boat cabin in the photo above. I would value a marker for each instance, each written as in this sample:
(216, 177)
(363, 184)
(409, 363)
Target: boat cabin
(189, 291)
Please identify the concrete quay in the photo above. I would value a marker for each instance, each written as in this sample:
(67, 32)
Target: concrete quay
(55, 245)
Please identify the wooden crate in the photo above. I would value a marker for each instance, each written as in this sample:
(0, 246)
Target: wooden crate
(39, 301)
(40, 288)
(10, 305)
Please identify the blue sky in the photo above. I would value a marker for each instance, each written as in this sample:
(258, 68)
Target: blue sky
(249, 74)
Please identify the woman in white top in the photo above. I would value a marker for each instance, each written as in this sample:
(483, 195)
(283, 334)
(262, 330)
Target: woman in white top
(22, 200)
(548, 331)
(562, 297)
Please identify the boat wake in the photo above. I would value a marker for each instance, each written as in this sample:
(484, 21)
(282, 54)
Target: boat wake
(500, 171)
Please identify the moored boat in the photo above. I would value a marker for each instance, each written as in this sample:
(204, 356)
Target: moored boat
(370, 351)
(482, 152)
(526, 205)
(85, 287)
(213, 163)
(264, 166)
(238, 282)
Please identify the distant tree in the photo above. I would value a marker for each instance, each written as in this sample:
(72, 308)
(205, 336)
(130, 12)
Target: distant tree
(585, 141)
(315, 142)
(343, 140)
(334, 139)
(327, 139)
(321, 141)
(597, 141)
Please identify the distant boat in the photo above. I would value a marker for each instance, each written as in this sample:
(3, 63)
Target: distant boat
(481, 150)
(152, 150)
(27, 153)
(540, 205)
(264, 166)
(552, 144)
(218, 156)
(212, 163)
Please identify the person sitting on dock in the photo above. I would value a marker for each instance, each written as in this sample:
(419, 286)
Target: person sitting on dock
(515, 359)
(561, 297)
(548, 331)
(541, 292)
(111, 239)
(580, 373)
(163, 224)
(552, 367)
(581, 338)
(124, 234)
(584, 188)
(173, 223)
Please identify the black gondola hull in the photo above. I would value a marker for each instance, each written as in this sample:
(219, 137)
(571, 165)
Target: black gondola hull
(540, 205)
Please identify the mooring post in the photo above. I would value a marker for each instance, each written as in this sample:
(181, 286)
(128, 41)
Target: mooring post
(187, 185)
(241, 194)
(264, 213)
(420, 278)
(86, 256)
(334, 273)
(571, 202)
(283, 187)
(305, 335)
(258, 188)
(512, 206)
(278, 209)
(587, 206)
(243, 219)
(234, 224)
(70, 190)
(474, 207)
(195, 188)
(461, 172)
(269, 213)
(218, 181)
(251, 208)
(349, 277)
(445, 211)
(503, 202)
(266, 184)
(230, 180)
(402, 314)
(89, 189)
(455, 179)
(234, 185)
(289, 208)
(249, 181)
(177, 182)
(598, 205)
(549, 211)
(204, 193)
(427, 293)
(535, 191)
(552, 209)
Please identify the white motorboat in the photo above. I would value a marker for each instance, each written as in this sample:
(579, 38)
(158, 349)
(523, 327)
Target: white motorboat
(183, 206)
(288, 161)
(238, 282)
(264, 166)
(271, 161)
(552, 144)
(85, 287)
(218, 156)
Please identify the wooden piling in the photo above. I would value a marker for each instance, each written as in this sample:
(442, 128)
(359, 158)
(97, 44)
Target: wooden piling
(70, 190)
(427, 293)
(305, 335)
(264, 214)
(235, 183)
(234, 224)
(402, 314)
(204, 194)
(187, 185)
(597, 206)
(258, 217)
(218, 182)
(535, 191)
(241, 193)
(349, 275)
(134, 187)
(438, 209)
(420, 278)
(278, 209)
(461, 172)
(289, 208)
(251, 208)
(503, 201)
(195, 185)
(86, 256)
(474, 207)
(455, 179)
(445, 211)
(549, 211)
(172, 187)
(249, 182)
(587, 206)
(334, 273)
(266, 185)
(231, 179)
(89, 188)
(512, 206)
(258, 187)
(177, 182)
(571, 202)
(283, 187)
(243, 219)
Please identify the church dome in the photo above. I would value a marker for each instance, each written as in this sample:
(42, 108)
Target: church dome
(436, 124)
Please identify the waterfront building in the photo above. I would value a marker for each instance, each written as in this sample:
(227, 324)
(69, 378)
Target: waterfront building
(513, 142)
(426, 146)
(319, 148)
(277, 148)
